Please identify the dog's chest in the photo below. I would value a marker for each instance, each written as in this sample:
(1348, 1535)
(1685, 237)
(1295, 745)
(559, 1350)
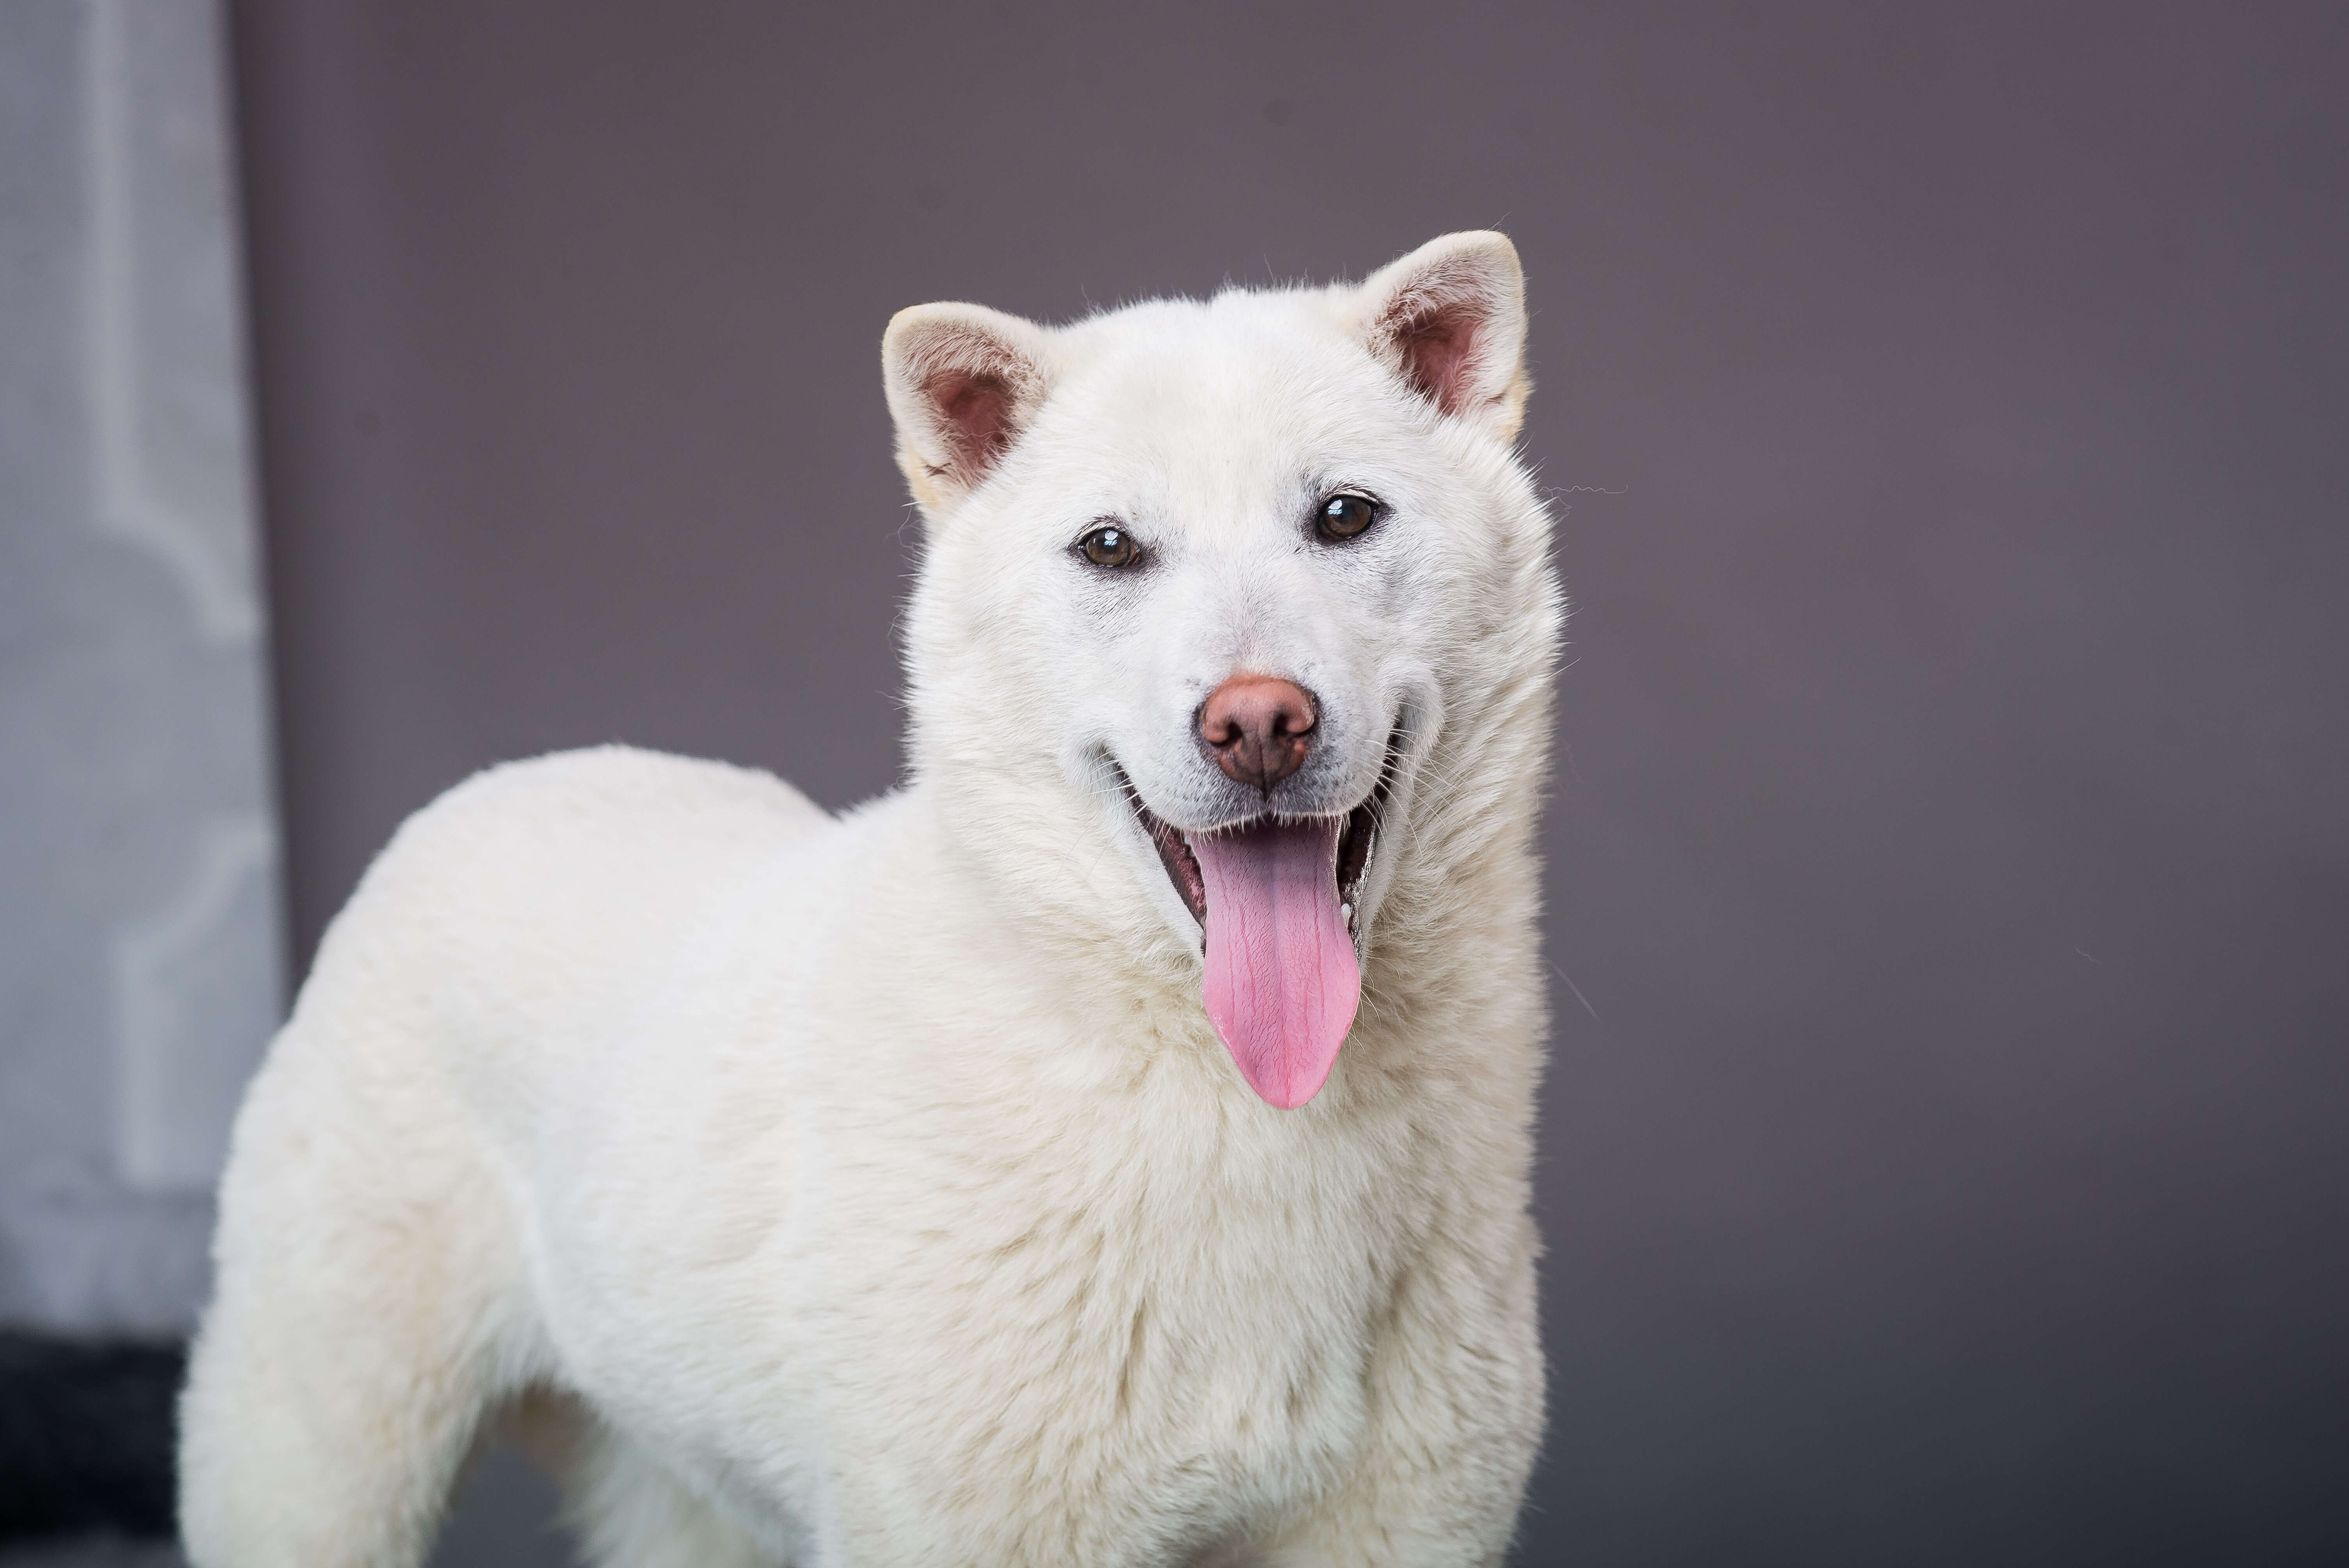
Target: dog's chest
(957, 1336)
(1148, 1355)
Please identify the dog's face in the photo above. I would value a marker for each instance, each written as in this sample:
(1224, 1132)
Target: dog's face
(1208, 581)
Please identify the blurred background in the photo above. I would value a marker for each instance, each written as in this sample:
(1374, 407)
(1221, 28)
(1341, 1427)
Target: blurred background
(1944, 1156)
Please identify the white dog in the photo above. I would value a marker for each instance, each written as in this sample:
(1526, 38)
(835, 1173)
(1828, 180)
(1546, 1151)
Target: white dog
(1110, 1148)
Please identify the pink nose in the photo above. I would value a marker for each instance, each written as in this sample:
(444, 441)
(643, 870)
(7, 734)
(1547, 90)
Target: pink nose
(1256, 726)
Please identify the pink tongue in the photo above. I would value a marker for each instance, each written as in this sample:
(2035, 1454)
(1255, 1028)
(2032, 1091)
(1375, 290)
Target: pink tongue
(1282, 980)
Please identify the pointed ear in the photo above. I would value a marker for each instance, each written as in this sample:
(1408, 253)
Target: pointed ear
(1450, 320)
(963, 382)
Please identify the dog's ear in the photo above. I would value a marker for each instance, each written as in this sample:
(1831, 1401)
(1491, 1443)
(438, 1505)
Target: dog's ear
(1450, 320)
(963, 382)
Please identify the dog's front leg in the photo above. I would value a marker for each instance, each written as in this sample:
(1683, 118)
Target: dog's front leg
(1454, 1391)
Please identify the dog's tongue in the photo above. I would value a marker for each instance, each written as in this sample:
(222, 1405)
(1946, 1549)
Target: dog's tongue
(1282, 979)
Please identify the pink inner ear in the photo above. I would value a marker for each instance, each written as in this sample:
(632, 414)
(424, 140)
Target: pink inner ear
(1439, 350)
(975, 410)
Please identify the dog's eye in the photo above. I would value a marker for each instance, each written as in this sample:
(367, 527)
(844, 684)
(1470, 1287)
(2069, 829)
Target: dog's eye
(1346, 514)
(1111, 546)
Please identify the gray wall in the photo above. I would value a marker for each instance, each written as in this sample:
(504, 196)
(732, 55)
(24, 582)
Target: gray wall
(1944, 1159)
(141, 937)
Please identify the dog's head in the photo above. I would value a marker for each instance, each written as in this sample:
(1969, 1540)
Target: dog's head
(1232, 614)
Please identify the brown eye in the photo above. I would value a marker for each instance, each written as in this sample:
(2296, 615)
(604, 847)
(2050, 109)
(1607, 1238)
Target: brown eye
(1345, 514)
(1110, 546)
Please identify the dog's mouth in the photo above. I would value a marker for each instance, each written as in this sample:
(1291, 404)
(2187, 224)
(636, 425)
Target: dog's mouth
(1280, 906)
(1357, 841)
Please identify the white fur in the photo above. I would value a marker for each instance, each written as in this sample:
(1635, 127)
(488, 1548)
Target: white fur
(873, 1191)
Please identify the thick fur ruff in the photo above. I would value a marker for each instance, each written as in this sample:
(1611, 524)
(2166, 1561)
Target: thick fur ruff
(873, 1190)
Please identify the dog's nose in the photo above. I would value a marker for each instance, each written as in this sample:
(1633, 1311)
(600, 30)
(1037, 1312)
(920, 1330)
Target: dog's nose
(1256, 726)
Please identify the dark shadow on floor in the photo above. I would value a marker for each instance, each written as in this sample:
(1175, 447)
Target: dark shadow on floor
(503, 1518)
